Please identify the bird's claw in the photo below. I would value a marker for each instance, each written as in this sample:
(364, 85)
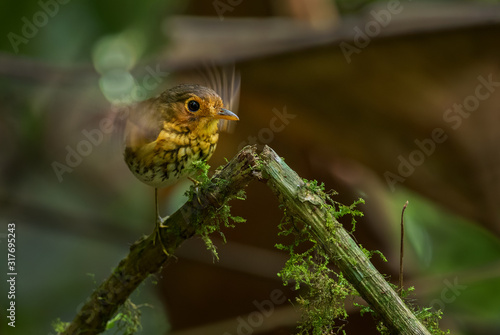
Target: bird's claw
(160, 221)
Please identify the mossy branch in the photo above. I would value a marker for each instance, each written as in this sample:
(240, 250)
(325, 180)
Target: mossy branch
(302, 202)
(305, 204)
(147, 257)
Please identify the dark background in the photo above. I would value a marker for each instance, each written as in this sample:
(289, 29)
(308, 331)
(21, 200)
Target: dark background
(355, 119)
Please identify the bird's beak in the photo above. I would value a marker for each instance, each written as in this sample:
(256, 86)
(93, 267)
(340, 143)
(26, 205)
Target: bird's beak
(226, 115)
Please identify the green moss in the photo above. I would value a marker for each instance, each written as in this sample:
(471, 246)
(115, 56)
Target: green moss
(309, 267)
(128, 318)
(326, 290)
(59, 326)
(427, 317)
(337, 209)
(200, 170)
(430, 319)
(369, 253)
(217, 217)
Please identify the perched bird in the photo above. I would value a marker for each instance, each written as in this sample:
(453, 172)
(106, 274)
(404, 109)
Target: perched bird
(166, 134)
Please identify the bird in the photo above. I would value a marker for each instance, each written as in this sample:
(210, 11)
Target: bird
(164, 135)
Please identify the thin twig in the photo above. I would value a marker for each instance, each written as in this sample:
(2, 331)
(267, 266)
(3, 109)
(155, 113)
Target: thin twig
(401, 252)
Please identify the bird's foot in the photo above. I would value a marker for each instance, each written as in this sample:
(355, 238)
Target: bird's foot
(196, 184)
(160, 221)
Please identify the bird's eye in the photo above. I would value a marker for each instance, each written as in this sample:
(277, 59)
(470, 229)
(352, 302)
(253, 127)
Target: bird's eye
(193, 105)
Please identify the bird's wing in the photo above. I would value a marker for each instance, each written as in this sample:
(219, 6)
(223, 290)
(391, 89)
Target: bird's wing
(143, 123)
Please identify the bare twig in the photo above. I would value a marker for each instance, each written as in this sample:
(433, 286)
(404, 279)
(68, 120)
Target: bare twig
(401, 252)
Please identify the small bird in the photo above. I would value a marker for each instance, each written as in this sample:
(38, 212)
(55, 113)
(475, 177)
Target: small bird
(166, 134)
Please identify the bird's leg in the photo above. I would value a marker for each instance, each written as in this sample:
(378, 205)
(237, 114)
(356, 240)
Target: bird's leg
(159, 219)
(159, 223)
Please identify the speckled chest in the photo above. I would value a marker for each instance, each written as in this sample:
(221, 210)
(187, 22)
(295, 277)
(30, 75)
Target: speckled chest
(169, 158)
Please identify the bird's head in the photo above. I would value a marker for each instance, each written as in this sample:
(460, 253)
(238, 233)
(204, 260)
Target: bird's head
(195, 106)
